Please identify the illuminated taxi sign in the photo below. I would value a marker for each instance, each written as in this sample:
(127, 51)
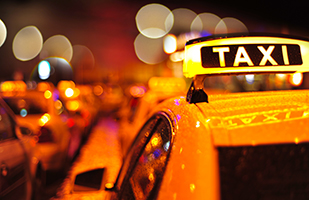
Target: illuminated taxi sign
(250, 54)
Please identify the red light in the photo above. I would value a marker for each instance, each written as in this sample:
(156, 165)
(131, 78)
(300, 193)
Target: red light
(70, 122)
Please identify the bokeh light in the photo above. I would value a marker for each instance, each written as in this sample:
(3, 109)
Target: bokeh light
(69, 92)
(57, 46)
(230, 25)
(183, 18)
(170, 43)
(149, 50)
(27, 43)
(53, 69)
(205, 23)
(44, 70)
(82, 57)
(3, 33)
(296, 79)
(154, 20)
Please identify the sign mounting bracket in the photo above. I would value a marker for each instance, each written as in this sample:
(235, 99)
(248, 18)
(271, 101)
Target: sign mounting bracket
(196, 92)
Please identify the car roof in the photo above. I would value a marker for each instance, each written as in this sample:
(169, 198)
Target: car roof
(249, 118)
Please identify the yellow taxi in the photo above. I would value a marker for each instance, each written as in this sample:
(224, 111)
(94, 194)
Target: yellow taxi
(38, 110)
(138, 110)
(251, 145)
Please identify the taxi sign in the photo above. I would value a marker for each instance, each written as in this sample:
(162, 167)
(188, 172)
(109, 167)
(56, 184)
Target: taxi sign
(246, 54)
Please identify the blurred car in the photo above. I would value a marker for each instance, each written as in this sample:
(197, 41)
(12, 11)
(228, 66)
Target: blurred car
(40, 111)
(251, 145)
(17, 178)
(137, 111)
(82, 106)
(112, 97)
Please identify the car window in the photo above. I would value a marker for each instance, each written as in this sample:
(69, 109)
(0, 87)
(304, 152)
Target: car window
(6, 127)
(148, 160)
(25, 106)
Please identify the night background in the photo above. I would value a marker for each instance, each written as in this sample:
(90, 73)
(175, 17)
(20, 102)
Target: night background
(108, 29)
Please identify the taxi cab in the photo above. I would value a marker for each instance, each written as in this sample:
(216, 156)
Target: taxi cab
(38, 110)
(252, 145)
(138, 110)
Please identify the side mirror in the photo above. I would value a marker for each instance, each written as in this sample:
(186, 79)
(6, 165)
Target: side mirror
(25, 130)
(89, 180)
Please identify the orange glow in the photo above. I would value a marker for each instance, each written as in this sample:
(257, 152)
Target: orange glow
(296, 79)
(44, 119)
(58, 104)
(167, 84)
(137, 91)
(48, 94)
(43, 86)
(109, 185)
(154, 141)
(72, 105)
(98, 90)
(11, 86)
(63, 85)
(192, 187)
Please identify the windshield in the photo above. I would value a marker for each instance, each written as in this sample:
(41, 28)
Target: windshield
(254, 82)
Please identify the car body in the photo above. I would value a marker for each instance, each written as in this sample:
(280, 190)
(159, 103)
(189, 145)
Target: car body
(251, 145)
(41, 112)
(16, 157)
(138, 110)
(82, 107)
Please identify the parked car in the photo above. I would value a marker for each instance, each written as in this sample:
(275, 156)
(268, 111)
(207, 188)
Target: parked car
(17, 166)
(40, 111)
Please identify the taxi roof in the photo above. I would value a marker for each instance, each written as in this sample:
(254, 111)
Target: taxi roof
(275, 117)
(246, 54)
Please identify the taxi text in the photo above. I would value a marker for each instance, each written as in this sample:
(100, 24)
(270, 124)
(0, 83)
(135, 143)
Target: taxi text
(251, 55)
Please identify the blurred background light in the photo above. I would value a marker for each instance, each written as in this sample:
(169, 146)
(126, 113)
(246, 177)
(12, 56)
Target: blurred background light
(205, 23)
(149, 50)
(82, 57)
(170, 43)
(53, 70)
(154, 20)
(27, 43)
(69, 92)
(230, 25)
(57, 46)
(3, 32)
(177, 56)
(249, 78)
(183, 18)
(296, 79)
(44, 70)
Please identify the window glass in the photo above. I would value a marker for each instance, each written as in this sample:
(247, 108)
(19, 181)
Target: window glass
(6, 127)
(24, 106)
(148, 166)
